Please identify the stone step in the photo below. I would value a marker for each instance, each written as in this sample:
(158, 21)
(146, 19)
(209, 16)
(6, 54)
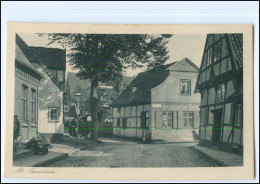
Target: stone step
(22, 153)
(176, 135)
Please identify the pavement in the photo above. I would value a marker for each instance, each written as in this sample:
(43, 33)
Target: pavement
(59, 151)
(40, 160)
(126, 153)
(69, 149)
(222, 158)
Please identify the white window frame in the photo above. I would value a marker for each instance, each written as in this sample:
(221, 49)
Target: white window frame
(188, 118)
(188, 90)
(49, 114)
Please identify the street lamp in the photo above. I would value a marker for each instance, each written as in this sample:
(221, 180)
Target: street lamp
(77, 95)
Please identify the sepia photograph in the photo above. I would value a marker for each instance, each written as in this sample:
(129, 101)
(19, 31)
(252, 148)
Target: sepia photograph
(129, 97)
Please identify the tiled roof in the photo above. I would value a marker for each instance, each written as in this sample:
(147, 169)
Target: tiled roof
(22, 62)
(51, 57)
(139, 91)
(33, 57)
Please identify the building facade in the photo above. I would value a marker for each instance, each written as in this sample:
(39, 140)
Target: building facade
(27, 81)
(160, 104)
(51, 64)
(220, 83)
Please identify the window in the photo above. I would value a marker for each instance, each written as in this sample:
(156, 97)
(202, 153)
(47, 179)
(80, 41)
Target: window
(118, 122)
(185, 87)
(188, 118)
(164, 120)
(60, 75)
(24, 105)
(239, 115)
(217, 51)
(53, 114)
(220, 93)
(33, 106)
(167, 119)
(209, 56)
(118, 110)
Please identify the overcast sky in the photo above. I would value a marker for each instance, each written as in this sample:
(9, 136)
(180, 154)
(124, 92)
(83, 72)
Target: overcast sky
(179, 46)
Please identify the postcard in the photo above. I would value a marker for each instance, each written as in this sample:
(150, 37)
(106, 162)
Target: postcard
(129, 102)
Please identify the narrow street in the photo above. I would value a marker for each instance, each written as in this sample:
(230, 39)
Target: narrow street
(122, 153)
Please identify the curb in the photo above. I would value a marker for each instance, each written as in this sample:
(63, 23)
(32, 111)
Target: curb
(218, 162)
(179, 142)
(47, 162)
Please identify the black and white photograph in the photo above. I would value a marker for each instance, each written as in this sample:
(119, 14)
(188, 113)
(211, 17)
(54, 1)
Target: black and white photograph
(126, 102)
(122, 100)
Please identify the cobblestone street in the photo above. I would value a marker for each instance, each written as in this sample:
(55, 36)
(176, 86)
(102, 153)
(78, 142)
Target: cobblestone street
(121, 153)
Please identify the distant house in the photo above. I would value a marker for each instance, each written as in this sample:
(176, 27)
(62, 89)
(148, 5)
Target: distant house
(160, 104)
(220, 83)
(74, 85)
(27, 81)
(51, 64)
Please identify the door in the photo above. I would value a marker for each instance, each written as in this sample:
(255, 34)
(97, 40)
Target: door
(216, 126)
(145, 125)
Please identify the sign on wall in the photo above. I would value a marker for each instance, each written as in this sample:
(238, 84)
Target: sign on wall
(156, 105)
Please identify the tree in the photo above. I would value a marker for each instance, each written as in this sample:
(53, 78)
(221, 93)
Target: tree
(104, 57)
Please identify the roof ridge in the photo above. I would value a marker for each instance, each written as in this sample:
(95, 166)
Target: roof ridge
(47, 47)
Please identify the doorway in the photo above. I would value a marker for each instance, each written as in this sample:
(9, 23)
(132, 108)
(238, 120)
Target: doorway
(216, 132)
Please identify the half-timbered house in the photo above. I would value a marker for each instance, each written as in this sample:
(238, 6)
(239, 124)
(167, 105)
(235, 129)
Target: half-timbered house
(160, 104)
(220, 83)
(51, 64)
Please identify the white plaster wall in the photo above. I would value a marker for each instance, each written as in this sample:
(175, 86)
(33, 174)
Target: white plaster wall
(49, 96)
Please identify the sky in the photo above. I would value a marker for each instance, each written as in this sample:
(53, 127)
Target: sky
(180, 46)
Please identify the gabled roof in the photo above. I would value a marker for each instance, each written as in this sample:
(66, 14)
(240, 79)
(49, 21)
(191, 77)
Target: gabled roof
(51, 57)
(139, 91)
(234, 47)
(73, 83)
(165, 67)
(143, 84)
(22, 62)
(33, 57)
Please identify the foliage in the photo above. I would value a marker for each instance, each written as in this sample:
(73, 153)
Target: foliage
(104, 57)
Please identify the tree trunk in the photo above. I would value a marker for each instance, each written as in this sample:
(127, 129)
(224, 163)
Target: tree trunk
(93, 109)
